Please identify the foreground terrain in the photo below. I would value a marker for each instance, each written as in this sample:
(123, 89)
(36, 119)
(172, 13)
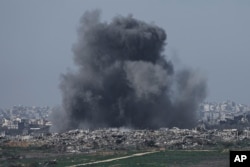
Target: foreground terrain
(35, 157)
(123, 147)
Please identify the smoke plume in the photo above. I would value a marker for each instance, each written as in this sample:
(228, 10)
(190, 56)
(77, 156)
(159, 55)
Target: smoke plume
(124, 79)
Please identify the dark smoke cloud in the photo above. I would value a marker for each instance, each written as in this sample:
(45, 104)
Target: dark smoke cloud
(124, 79)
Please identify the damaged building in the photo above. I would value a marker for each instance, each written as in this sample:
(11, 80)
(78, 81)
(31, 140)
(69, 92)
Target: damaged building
(79, 140)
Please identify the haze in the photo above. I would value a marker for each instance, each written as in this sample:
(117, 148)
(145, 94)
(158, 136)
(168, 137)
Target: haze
(36, 38)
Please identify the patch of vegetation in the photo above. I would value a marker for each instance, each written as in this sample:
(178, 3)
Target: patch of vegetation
(170, 158)
(38, 157)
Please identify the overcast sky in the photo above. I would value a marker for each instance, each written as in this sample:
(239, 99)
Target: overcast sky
(36, 39)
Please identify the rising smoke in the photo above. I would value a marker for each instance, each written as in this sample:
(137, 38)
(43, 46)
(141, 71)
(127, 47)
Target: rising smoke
(124, 79)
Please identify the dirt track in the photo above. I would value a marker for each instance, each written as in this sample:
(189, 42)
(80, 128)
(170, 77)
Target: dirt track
(114, 159)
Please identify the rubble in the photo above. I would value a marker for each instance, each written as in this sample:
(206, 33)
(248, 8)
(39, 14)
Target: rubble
(22, 126)
(79, 140)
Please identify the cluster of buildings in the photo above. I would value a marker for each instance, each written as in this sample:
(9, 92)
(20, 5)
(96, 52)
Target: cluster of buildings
(25, 120)
(225, 113)
(22, 120)
(29, 126)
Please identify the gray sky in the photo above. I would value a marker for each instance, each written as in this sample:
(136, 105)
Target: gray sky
(36, 39)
